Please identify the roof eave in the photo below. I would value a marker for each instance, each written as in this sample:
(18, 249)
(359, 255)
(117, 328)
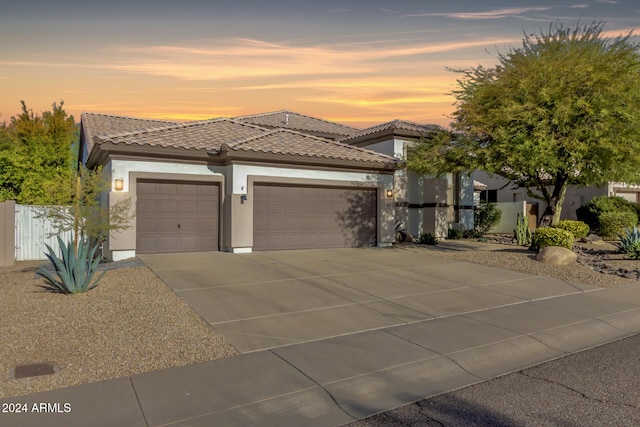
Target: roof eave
(229, 156)
(101, 153)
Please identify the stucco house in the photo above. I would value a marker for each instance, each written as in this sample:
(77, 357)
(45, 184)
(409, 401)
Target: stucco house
(498, 189)
(279, 180)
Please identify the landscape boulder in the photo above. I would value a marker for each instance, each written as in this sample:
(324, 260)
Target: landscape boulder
(556, 255)
(593, 239)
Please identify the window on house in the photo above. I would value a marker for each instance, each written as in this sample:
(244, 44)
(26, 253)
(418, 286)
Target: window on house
(490, 196)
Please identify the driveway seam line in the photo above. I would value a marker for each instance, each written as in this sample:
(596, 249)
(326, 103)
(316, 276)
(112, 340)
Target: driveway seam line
(135, 392)
(333, 399)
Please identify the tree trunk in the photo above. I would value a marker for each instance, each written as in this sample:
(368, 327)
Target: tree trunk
(551, 215)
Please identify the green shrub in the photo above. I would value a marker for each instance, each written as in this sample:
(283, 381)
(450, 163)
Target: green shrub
(578, 228)
(471, 234)
(549, 236)
(613, 224)
(522, 231)
(454, 234)
(486, 216)
(427, 239)
(629, 243)
(590, 212)
(74, 271)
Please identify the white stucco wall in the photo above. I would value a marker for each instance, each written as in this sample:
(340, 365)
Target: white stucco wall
(392, 147)
(575, 197)
(241, 173)
(120, 169)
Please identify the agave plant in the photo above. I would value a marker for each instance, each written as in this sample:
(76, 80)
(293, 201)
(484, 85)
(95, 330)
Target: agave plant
(74, 271)
(630, 243)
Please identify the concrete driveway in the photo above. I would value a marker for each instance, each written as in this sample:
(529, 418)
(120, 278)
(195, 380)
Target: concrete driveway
(271, 299)
(345, 334)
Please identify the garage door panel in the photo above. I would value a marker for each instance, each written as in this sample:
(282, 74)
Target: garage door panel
(293, 207)
(167, 206)
(166, 225)
(149, 225)
(189, 190)
(145, 206)
(297, 217)
(166, 189)
(207, 208)
(163, 205)
(188, 207)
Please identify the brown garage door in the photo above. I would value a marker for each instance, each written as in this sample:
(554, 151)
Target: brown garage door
(300, 217)
(176, 216)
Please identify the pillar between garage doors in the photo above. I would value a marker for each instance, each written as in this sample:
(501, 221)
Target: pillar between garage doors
(237, 229)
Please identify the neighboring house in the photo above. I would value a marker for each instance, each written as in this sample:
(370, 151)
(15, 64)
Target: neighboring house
(278, 180)
(424, 205)
(498, 189)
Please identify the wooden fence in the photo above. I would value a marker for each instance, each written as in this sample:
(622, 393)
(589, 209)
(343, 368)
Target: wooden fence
(25, 231)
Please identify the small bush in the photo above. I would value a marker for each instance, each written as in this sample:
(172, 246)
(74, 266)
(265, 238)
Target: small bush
(471, 234)
(454, 234)
(614, 223)
(549, 236)
(590, 212)
(578, 228)
(486, 216)
(629, 243)
(427, 239)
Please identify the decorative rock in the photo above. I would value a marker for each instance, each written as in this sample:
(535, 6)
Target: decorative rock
(593, 239)
(556, 255)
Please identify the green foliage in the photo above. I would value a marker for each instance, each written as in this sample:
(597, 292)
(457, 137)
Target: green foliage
(74, 271)
(612, 224)
(77, 206)
(590, 212)
(522, 232)
(36, 154)
(486, 216)
(559, 110)
(578, 228)
(471, 234)
(549, 236)
(427, 239)
(454, 234)
(629, 243)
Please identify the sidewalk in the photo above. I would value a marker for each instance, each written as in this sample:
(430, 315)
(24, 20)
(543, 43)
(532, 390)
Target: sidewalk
(337, 380)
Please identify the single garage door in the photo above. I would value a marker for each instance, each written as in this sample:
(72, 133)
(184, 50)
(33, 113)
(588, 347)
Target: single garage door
(302, 217)
(174, 216)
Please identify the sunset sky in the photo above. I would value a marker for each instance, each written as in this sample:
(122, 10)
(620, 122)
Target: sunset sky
(360, 62)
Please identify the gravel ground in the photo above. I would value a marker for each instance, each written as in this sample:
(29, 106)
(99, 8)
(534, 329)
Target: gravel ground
(130, 323)
(133, 323)
(518, 258)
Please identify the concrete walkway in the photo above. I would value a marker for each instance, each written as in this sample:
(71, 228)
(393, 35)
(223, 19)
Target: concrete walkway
(332, 336)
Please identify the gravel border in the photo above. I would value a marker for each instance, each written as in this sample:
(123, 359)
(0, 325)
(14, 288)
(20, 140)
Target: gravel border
(132, 322)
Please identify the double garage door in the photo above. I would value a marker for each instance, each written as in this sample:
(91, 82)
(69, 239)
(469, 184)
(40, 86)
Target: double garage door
(176, 216)
(301, 217)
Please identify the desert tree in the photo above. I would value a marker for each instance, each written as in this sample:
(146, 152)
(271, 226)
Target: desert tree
(562, 109)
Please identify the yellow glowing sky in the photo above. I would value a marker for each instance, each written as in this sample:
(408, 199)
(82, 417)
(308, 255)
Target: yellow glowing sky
(359, 62)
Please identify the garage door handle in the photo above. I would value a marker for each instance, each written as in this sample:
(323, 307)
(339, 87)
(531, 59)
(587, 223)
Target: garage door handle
(178, 226)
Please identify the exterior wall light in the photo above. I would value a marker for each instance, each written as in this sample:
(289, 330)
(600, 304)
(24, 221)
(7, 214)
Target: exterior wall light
(118, 184)
(389, 194)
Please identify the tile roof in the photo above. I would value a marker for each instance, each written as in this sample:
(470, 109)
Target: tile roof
(217, 134)
(395, 127)
(206, 135)
(284, 141)
(94, 124)
(296, 121)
